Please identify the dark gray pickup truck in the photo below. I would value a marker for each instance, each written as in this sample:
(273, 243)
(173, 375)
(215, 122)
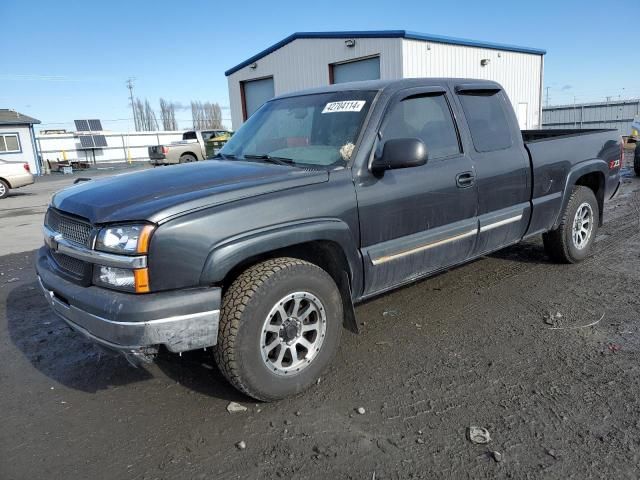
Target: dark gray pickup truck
(322, 199)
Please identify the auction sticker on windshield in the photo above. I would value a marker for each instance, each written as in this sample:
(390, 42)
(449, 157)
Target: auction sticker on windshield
(344, 106)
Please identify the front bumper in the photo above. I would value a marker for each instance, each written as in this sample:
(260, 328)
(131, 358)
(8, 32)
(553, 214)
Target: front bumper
(180, 320)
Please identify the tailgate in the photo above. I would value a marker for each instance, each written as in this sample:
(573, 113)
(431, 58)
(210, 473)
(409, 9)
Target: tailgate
(156, 152)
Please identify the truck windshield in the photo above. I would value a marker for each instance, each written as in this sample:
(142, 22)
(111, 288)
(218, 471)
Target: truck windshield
(317, 130)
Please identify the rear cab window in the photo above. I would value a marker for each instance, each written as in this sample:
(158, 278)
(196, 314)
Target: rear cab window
(487, 119)
(428, 118)
(189, 136)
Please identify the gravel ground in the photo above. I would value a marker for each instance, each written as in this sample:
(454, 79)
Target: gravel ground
(481, 345)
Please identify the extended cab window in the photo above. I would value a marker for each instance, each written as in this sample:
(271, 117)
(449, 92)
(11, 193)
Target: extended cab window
(487, 119)
(427, 118)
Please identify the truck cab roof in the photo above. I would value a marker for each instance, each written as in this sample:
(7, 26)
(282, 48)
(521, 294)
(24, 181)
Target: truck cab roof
(391, 86)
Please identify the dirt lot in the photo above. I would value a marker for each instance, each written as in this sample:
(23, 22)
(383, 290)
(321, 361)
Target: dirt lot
(474, 346)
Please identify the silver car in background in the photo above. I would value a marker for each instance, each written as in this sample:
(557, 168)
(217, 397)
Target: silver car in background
(13, 175)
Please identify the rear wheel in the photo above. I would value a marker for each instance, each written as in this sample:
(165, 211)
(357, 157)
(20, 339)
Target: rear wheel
(571, 242)
(4, 189)
(187, 158)
(280, 327)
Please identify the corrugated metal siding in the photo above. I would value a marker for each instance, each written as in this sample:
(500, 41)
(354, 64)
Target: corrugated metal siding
(519, 73)
(304, 63)
(616, 114)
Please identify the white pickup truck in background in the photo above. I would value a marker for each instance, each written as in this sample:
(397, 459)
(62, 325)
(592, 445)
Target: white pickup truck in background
(195, 145)
(13, 175)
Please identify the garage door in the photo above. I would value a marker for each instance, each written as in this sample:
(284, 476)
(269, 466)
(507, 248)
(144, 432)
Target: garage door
(256, 92)
(368, 69)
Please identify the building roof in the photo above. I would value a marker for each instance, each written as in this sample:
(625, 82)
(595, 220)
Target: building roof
(11, 117)
(386, 34)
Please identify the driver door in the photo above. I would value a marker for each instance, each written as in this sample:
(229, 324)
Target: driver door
(421, 219)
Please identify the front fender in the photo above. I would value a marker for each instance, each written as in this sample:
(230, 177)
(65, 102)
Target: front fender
(231, 252)
(577, 171)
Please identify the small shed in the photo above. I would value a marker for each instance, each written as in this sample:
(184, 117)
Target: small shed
(315, 59)
(17, 138)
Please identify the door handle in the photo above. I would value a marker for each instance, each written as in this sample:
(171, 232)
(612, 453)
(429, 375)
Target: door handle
(465, 179)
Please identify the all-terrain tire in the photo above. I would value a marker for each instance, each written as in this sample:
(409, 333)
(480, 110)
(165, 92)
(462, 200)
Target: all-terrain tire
(245, 307)
(4, 189)
(559, 243)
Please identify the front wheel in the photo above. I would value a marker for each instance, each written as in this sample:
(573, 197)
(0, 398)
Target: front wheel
(280, 327)
(572, 241)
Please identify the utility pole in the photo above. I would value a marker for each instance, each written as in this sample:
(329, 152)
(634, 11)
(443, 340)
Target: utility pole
(133, 107)
(547, 100)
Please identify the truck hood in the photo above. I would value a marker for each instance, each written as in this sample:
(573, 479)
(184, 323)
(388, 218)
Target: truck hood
(165, 192)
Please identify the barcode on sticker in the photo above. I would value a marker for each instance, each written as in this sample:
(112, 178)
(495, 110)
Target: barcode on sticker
(344, 106)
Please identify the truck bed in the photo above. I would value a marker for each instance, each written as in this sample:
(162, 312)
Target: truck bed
(554, 154)
(529, 136)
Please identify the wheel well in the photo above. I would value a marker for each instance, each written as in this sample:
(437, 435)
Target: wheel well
(325, 254)
(594, 181)
(189, 153)
(6, 181)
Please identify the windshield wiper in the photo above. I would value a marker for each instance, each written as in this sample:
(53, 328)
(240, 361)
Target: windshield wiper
(269, 158)
(225, 156)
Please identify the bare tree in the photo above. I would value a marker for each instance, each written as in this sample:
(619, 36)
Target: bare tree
(145, 117)
(213, 113)
(197, 114)
(168, 115)
(206, 115)
(150, 117)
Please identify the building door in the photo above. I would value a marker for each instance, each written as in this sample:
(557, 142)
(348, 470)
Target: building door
(254, 94)
(355, 71)
(523, 115)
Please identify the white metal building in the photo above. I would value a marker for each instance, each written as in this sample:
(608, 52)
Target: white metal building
(17, 140)
(315, 59)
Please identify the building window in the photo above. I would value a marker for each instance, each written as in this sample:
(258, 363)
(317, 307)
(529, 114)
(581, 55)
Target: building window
(355, 70)
(10, 143)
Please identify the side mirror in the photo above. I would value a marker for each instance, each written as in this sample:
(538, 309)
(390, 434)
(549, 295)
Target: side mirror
(400, 153)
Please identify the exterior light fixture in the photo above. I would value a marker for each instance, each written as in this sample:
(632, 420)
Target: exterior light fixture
(484, 62)
(350, 43)
(253, 66)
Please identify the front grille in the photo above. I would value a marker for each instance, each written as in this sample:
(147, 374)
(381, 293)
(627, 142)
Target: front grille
(73, 230)
(70, 264)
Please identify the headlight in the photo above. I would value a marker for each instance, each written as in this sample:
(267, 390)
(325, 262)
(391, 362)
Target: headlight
(122, 279)
(124, 239)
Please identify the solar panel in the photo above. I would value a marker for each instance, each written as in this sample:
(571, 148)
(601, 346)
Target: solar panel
(95, 125)
(81, 125)
(100, 141)
(86, 141)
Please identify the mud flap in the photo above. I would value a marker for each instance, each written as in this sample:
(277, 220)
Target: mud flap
(350, 322)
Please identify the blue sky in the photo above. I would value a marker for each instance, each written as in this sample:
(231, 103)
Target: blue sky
(67, 60)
